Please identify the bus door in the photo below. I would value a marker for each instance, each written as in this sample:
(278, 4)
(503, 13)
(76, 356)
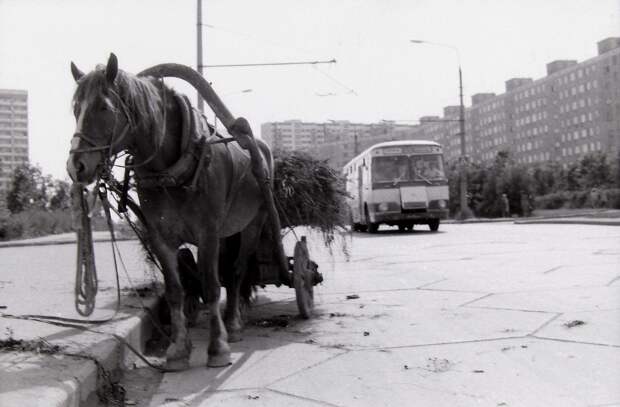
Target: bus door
(360, 191)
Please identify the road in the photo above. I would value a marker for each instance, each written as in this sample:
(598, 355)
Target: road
(491, 314)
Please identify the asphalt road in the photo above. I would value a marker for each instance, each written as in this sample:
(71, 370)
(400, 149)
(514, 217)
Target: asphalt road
(491, 314)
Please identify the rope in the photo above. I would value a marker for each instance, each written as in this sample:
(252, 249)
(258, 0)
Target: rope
(86, 273)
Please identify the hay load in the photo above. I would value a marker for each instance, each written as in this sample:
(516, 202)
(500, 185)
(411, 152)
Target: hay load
(308, 192)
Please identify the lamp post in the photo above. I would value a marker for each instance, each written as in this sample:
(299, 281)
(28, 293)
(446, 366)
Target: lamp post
(465, 211)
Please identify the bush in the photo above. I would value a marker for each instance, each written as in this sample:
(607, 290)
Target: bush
(35, 222)
(603, 198)
(10, 228)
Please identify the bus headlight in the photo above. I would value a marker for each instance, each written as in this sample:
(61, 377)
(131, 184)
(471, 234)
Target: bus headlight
(383, 207)
(442, 204)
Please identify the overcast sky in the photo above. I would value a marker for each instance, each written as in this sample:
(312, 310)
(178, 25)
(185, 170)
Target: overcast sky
(379, 74)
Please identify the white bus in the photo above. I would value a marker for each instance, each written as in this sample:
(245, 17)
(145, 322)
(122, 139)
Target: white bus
(397, 183)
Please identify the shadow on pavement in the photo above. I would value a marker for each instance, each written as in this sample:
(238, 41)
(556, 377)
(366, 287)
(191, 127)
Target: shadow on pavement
(394, 232)
(267, 327)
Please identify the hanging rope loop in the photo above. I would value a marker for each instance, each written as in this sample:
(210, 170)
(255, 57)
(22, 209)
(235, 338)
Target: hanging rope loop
(86, 272)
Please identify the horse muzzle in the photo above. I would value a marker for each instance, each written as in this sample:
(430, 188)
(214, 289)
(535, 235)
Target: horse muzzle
(82, 167)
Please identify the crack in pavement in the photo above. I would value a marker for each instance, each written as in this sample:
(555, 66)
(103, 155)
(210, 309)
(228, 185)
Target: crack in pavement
(552, 269)
(607, 345)
(320, 402)
(303, 369)
(476, 299)
(544, 325)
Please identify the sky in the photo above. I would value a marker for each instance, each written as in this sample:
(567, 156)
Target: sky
(379, 73)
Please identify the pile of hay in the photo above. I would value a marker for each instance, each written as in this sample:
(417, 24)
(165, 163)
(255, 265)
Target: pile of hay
(308, 192)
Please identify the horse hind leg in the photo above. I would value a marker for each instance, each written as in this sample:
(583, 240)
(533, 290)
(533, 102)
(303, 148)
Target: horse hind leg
(218, 351)
(247, 247)
(178, 352)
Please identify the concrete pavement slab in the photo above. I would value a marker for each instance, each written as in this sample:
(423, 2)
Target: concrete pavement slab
(347, 325)
(521, 275)
(515, 372)
(555, 300)
(473, 316)
(39, 280)
(599, 327)
(245, 397)
(257, 361)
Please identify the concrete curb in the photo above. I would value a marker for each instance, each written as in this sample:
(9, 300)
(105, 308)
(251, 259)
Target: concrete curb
(61, 380)
(571, 221)
(27, 243)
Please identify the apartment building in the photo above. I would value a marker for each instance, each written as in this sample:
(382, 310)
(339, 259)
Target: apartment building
(13, 133)
(573, 110)
(337, 141)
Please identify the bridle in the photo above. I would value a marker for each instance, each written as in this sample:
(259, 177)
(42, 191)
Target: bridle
(127, 129)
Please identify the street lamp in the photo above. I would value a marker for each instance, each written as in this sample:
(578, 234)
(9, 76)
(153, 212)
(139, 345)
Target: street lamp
(465, 211)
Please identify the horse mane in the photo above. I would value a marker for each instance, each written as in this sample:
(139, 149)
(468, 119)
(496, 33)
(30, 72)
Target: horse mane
(141, 96)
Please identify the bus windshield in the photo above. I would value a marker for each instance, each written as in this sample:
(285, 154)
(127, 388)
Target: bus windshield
(427, 167)
(398, 168)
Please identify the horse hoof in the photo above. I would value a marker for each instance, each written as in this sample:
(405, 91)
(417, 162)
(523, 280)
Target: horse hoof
(222, 360)
(177, 364)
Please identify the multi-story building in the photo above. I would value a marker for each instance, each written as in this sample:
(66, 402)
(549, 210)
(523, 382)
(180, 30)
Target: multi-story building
(13, 133)
(336, 141)
(573, 110)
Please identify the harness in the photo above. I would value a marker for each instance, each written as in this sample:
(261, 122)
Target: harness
(194, 149)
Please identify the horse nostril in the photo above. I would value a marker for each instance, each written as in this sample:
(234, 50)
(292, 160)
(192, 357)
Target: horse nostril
(79, 166)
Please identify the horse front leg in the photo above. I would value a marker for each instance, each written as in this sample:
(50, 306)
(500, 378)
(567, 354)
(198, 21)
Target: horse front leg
(178, 352)
(218, 351)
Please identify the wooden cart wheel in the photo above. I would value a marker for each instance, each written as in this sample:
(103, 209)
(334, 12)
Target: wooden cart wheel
(302, 279)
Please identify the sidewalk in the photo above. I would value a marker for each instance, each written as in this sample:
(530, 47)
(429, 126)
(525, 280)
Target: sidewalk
(48, 365)
(62, 238)
(603, 217)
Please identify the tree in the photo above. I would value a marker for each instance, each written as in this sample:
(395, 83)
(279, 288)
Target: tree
(61, 199)
(27, 189)
(594, 171)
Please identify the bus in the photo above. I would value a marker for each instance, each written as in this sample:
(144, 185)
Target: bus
(397, 183)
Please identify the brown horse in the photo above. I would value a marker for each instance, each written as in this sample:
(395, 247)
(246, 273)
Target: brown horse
(116, 111)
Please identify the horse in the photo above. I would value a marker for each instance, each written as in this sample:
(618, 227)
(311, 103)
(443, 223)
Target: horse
(115, 112)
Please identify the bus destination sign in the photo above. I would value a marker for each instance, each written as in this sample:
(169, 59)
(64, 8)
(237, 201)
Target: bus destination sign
(420, 149)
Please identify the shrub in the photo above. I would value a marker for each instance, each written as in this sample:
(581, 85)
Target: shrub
(10, 228)
(35, 222)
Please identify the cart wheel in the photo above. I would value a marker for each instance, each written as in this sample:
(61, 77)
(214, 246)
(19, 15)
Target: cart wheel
(302, 279)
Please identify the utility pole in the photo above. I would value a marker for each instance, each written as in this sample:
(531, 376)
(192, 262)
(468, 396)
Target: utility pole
(465, 211)
(199, 65)
(463, 187)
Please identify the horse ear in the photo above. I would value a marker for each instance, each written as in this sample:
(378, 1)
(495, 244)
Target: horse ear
(75, 71)
(111, 70)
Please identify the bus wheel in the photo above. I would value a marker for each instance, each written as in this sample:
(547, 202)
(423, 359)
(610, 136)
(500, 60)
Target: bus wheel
(402, 227)
(433, 225)
(372, 226)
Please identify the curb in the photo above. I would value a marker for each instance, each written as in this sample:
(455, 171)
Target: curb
(65, 380)
(18, 243)
(564, 221)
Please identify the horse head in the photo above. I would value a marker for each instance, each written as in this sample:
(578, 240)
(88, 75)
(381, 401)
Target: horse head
(103, 121)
